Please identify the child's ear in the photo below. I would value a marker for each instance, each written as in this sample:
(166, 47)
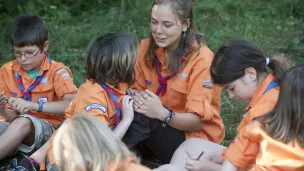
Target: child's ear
(251, 74)
(186, 25)
(46, 46)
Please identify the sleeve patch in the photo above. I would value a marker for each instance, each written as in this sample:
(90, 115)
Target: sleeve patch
(66, 75)
(61, 71)
(96, 106)
(207, 86)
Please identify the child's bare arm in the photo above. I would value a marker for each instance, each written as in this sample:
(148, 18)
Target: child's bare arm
(23, 106)
(58, 107)
(127, 117)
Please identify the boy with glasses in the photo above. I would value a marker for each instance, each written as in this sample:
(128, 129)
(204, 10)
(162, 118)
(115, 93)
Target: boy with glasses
(35, 90)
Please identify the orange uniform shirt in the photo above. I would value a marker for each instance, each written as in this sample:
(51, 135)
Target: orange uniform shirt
(187, 91)
(240, 152)
(94, 100)
(271, 155)
(56, 82)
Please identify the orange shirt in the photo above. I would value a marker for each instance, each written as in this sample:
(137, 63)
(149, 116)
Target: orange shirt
(189, 91)
(94, 100)
(240, 152)
(271, 155)
(56, 82)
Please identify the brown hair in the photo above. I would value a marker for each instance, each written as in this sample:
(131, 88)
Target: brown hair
(234, 56)
(183, 10)
(286, 121)
(29, 30)
(111, 58)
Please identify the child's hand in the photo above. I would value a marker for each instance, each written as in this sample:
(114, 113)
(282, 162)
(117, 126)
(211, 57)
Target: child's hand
(3, 100)
(131, 92)
(22, 106)
(127, 108)
(201, 165)
(213, 156)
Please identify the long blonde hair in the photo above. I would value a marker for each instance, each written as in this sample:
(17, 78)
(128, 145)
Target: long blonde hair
(84, 143)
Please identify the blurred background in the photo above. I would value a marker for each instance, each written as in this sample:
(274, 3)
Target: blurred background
(275, 26)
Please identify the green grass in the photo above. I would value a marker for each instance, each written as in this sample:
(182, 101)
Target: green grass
(275, 26)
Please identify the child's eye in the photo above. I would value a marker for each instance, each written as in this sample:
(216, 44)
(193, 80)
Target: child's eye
(168, 25)
(231, 89)
(154, 22)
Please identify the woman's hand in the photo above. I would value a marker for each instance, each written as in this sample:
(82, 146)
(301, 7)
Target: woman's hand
(149, 104)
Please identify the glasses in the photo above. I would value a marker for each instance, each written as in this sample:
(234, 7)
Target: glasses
(26, 54)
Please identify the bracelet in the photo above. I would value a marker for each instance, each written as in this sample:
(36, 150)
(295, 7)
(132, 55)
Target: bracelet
(40, 106)
(165, 122)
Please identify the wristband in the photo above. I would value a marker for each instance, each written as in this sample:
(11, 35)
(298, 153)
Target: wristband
(40, 102)
(165, 122)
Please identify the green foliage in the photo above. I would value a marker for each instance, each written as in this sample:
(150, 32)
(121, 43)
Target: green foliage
(275, 26)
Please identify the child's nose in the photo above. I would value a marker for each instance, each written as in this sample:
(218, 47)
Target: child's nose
(23, 58)
(231, 95)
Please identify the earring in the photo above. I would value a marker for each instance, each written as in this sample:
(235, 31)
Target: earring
(184, 34)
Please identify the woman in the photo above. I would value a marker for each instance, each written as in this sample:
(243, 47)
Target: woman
(174, 98)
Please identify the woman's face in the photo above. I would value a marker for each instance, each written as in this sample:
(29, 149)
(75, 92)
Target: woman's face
(166, 27)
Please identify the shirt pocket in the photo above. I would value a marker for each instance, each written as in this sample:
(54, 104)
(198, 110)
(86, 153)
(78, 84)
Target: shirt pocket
(44, 91)
(178, 95)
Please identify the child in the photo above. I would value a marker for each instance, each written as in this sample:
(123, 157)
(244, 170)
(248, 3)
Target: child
(174, 97)
(241, 69)
(35, 89)
(275, 141)
(87, 144)
(109, 70)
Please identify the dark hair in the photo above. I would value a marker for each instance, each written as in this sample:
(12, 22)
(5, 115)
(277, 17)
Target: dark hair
(183, 10)
(29, 30)
(234, 56)
(286, 121)
(111, 58)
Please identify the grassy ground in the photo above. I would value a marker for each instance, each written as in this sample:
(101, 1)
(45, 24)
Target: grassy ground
(275, 26)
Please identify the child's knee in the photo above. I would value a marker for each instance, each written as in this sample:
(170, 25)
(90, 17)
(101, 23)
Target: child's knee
(3, 127)
(22, 123)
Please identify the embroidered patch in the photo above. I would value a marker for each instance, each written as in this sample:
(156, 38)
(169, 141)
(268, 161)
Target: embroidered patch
(43, 99)
(95, 106)
(207, 86)
(66, 75)
(14, 94)
(44, 81)
(148, 82)
(183, 75)
(207, 81)
(61, 71)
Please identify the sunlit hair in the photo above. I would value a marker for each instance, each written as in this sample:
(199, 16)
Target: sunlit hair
(286, 121)
(29, 30)
(234, 56)
(85, 143)
(111, 58)
(183, 10)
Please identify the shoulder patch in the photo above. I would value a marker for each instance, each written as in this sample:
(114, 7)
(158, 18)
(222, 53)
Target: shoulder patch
(96, 106)
(183, 75)
(44, 81)
(61, 71)
(66, 75)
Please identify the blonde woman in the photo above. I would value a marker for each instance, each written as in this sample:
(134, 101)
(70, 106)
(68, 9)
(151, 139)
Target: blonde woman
(85, 143)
